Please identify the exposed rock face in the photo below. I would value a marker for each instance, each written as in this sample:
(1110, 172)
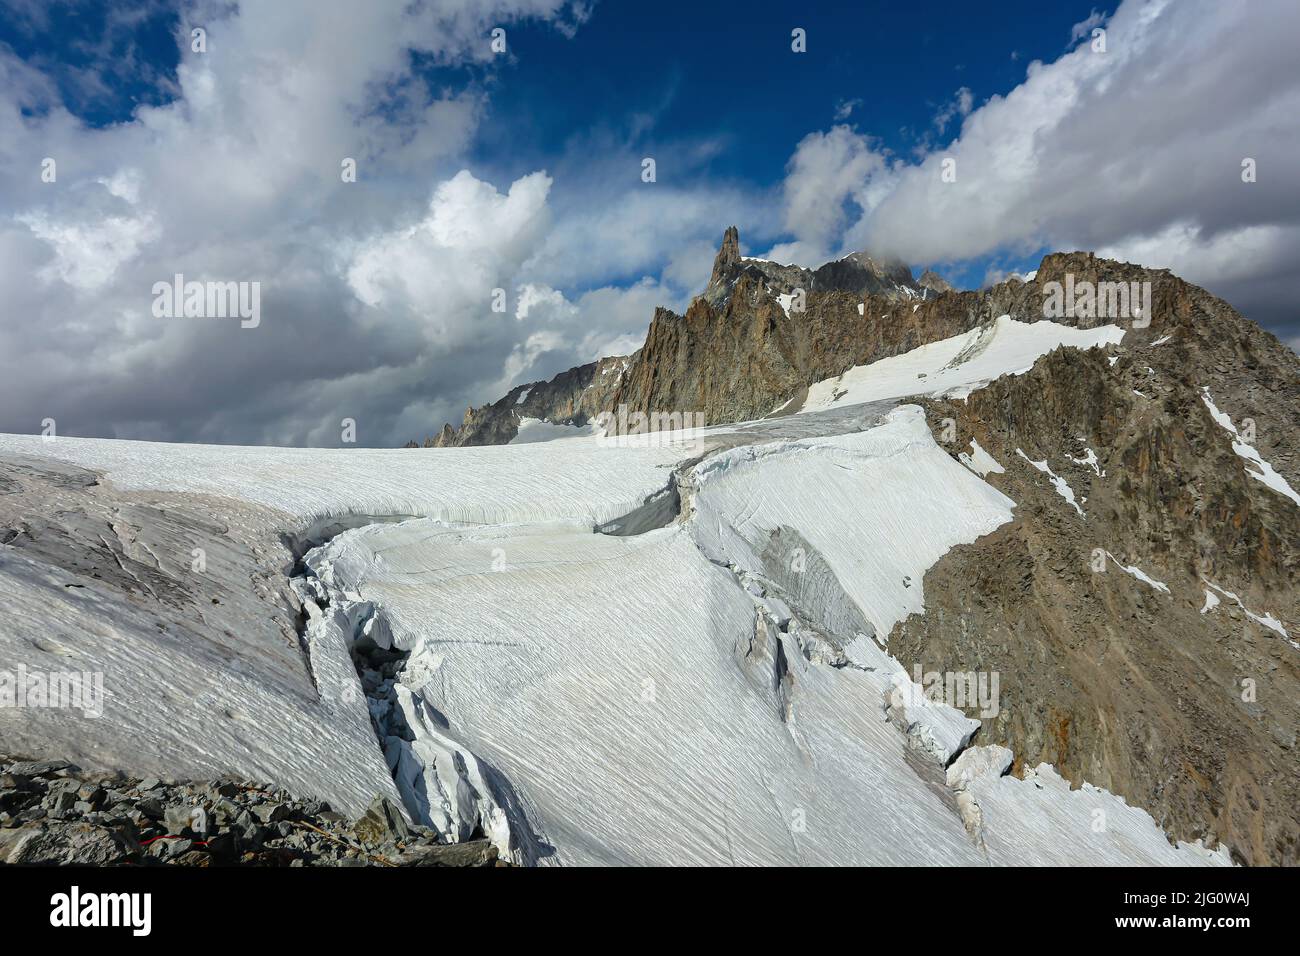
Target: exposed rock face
(571, 398)
(934, 282)
(762, 332)
(744, 346)
(1190, 714)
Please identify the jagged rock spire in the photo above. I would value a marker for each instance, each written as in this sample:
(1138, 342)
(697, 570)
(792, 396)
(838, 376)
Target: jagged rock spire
(728, 255)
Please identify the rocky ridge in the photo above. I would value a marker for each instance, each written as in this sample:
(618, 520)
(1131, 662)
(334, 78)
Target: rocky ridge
(571, 398)
(745, 343)
(761, 332)
(1183, 697)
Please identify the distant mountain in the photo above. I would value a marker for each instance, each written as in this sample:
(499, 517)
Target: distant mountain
(797, 344)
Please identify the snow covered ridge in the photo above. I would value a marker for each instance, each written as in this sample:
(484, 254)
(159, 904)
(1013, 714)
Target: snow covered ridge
(1135, 571)
(1060, 484)
(956, 366)
(1267, 620)
(980, 461)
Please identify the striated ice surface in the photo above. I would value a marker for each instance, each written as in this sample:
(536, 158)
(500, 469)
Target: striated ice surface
(683, 696)
(709, 687)
(879, 507)
(586, 480)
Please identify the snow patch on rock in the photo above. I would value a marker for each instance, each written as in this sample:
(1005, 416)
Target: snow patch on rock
(1060, 484)
(980, 461)
(1262, 470)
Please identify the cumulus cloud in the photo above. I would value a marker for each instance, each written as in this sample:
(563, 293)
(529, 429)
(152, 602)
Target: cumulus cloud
(1137, 151)
(829, 174)
(844, 108)
(375, 294)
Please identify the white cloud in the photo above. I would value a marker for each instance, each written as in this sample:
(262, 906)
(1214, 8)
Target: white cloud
(1137, 151)
(959, 106)
(375, 300)
(87, 253)
(443, 269)
(1085, 26)
(827, 171)
(844, 108)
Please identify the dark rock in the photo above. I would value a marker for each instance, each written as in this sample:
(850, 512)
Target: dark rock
(382, 821)
(41, 768)
(168, 848)
(272, 812)
(470, 853)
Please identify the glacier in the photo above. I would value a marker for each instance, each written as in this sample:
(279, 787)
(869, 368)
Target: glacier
(613, 654)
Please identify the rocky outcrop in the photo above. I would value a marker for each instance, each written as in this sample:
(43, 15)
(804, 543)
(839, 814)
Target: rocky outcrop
(53, 813)
(570, 398)
(934, 282)
(762, 332)
(1184, 697)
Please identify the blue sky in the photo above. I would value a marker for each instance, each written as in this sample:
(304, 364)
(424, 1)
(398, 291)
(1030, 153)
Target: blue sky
(479, 171)
(701, 72)
(727, 85)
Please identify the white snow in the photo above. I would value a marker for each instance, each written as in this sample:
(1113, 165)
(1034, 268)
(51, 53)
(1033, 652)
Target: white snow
(785, 299)
(879, 506)
(185, 700)
(862, 308)
(711, 691)
(664, 698)
(1263, 471)
(1211, 601)
(1060, 484)
(585, 481)
(1138, 573)
(1267, 620)
(1089, 460)
(1163, 339)
(980, 461)
(958, 365)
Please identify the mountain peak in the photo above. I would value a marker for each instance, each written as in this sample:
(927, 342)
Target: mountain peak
(934, 282)
(728, 254)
